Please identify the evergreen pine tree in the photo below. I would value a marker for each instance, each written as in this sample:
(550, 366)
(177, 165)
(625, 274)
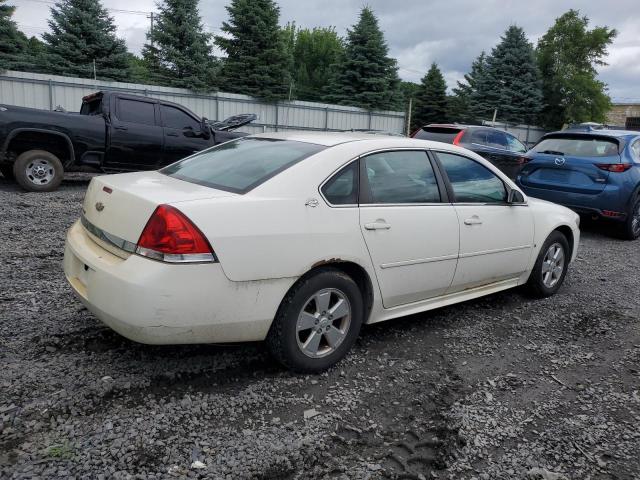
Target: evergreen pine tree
(257, 62)
(431, 99)
(460, 102)
(178, 52)
(511, 83)
(365, 76)
(13, 43)
(82, 32)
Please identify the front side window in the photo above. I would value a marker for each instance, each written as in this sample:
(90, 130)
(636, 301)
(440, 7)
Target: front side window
(471, 181)
(134, 111)
(401, 177)
(515, 145)
(241, 165)
(342, 188)
(175, 118)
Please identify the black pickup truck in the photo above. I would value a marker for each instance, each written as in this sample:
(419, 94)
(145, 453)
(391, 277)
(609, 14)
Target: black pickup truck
(114, 132)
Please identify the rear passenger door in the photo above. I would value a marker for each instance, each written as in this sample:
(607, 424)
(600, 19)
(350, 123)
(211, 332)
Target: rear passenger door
(135, 136)
(496, 238)
(410, 229)
(182, 134)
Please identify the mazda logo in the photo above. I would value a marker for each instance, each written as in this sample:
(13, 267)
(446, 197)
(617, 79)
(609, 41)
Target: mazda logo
(99, 206)
(560, 161)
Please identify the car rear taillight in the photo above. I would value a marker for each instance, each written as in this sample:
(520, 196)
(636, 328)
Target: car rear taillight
(458, 137)
(170, 236)
(614, 167)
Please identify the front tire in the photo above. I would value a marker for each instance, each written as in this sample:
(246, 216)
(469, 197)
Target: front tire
(38, 171)
(317, 322)
(551, 265)
(631, 227)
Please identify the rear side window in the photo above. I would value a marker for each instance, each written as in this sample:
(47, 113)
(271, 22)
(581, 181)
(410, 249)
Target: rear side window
(472, 182)
(401, 177)
(578, 146)
(437, 134)
(175, 118)
(479, 137)
(496, 139)
(342, 188)
(136, 112)
(635, 150)
(241, 165)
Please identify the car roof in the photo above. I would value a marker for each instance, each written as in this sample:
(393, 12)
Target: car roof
(462, 126)
(328, 139)
(597, 132)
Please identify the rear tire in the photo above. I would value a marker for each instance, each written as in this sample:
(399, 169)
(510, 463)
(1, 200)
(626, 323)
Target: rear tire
(317, 322)
(7, 171)
(551, 265)
(631, 227)
(38, 171)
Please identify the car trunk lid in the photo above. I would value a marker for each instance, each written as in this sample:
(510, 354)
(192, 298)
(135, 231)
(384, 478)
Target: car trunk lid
(119, 206)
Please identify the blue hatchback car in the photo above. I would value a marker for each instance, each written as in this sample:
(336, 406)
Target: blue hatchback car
(595, 172)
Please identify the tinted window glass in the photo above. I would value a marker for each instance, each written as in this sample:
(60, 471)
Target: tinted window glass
(472, 182)
(401, 177)
(515, 145)
(240, 165)
(176, 118)
(136, 112)
(437, 134)
(479, 137)
(579, 146)
(496, 139)
(342, 189)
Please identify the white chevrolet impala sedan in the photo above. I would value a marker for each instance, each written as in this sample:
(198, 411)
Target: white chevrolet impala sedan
(300, 238)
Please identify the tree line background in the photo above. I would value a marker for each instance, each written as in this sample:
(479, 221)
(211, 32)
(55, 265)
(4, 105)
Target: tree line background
(550, 84)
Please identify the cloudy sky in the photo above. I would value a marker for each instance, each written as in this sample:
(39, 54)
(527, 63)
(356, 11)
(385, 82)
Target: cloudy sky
(451, 33)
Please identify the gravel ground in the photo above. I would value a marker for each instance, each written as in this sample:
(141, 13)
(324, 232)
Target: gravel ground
(501, 387)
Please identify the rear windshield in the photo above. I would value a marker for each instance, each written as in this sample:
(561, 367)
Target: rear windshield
(437, 134)
(241, 165)
(583, 146)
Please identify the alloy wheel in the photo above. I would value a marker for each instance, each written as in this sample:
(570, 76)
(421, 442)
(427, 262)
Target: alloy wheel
(323, 323)
(552, 265)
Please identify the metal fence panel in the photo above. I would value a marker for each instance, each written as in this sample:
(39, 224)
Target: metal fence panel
(49, 91)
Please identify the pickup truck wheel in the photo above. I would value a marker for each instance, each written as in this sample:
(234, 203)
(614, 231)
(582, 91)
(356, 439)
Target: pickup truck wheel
(7, 171)
(38, 171)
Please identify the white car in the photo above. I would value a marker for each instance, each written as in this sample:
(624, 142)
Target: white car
(300, 238)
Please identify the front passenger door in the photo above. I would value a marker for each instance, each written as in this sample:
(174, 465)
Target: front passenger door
(410, 230)
(182, 134)
(496, 238)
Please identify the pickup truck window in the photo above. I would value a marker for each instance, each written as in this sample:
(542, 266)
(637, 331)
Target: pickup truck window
(175, 118)
(135, 112)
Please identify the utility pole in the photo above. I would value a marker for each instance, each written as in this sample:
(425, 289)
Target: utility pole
(95, 77)
(495, 114)
(409, 118)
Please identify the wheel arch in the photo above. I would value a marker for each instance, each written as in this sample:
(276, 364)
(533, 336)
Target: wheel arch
(568, 233)
(355, 271)
(22, 140)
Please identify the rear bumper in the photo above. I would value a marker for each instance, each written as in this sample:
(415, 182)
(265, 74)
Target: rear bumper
(612, 199)
(156, 303)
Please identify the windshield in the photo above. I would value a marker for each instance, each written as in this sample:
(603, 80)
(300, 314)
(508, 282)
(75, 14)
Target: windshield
(584, 146)
(437, 134)
(241, 165)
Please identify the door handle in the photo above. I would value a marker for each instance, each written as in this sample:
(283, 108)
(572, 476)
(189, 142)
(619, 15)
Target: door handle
(379, 225)
(121, 128)
(475, 220)
(172, 134)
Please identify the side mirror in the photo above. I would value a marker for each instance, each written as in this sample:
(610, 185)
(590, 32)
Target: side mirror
(205, 128)
(515, 197)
